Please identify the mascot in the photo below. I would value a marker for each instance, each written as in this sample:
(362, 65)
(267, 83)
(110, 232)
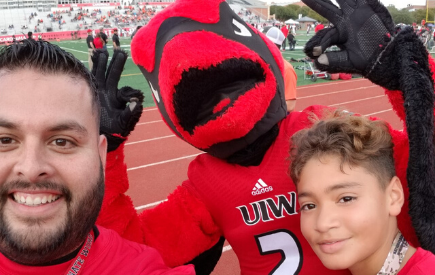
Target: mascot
(218, 85)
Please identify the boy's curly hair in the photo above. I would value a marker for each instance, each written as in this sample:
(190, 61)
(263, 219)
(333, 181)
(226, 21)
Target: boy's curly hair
(356, 140)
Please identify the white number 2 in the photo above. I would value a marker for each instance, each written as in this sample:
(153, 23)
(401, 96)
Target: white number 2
(285, 243)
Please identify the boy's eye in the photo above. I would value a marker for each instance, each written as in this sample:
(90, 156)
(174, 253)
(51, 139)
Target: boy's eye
(308, 206)
(347, 199)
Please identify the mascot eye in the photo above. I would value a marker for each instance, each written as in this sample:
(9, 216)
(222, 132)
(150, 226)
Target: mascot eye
(243, 30)
(155, 93)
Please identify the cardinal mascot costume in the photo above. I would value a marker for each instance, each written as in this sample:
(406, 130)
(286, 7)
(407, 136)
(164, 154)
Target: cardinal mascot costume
(218, 85)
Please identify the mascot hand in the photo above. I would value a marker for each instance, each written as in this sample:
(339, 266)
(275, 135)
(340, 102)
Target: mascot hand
(120, 108)
(361, 29)
(369, 43)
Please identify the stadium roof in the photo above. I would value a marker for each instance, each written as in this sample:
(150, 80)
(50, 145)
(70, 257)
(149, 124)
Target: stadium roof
(248, 3)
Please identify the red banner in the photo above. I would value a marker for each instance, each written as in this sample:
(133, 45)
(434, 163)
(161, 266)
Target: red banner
(155, 3)
(88, 5)
(56, 36)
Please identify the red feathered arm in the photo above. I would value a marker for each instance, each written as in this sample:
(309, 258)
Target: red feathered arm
(180, 228)
(396, 97)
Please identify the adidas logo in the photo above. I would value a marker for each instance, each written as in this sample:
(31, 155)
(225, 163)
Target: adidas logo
(260, 188)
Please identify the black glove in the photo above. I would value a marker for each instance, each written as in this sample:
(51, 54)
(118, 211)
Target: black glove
(369, 45)
(117, 118)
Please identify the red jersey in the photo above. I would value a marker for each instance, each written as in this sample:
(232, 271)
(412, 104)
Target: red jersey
(256, 209)
(98, 43)
(421, 263)
(110, 254)
(284, 30)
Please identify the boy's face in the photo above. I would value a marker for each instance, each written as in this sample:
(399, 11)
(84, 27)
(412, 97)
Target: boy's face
(347, 218)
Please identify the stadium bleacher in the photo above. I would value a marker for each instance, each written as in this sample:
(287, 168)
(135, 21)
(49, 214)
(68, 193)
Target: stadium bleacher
(19, 21)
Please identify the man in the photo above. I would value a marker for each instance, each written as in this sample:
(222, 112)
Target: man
(103, 37)
(115, 39)
(285, 31)
(30, 35)
(51, 169)
(91, 48)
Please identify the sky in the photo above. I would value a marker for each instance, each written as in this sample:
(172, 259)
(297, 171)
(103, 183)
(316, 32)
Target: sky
(400, 4)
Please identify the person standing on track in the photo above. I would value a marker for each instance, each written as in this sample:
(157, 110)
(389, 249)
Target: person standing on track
(52, 167)
(91, 48)
(103, 37)
(115, 39)
(98, 41)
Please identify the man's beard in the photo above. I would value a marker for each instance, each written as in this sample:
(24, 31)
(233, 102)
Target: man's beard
(36, 247)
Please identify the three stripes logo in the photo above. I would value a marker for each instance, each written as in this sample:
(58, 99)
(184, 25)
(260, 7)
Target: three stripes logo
(260, 188)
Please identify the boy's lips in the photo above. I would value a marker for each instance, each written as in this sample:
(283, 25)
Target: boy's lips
(331, 246)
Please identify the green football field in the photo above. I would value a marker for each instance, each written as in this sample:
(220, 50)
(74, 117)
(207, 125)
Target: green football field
(134, 78)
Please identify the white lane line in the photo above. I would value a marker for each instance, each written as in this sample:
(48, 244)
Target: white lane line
(163, 162)
(227, 248)
(149, 109)
(149, 122)
(327, 84)
(380, 112)
(74, 50)
(146, 140)
(353, 101)
(149, 205)
(337, 92)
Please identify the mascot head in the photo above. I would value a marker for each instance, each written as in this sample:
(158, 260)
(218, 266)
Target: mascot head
(216, 80)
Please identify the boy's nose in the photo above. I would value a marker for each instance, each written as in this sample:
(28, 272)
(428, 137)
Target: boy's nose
(327, 219)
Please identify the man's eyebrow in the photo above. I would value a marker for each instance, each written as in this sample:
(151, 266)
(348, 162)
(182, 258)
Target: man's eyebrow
(7, 124)
(344, 185)
(69, 126)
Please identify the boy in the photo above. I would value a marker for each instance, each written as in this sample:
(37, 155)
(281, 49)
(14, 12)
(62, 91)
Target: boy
(349, 197)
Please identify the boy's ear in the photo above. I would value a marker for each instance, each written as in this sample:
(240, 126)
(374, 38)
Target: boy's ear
(395, 196)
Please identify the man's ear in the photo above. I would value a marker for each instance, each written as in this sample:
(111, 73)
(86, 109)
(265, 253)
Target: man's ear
(102, 149)
(395, 196)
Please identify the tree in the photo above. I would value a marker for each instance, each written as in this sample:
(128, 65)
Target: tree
(401, 16)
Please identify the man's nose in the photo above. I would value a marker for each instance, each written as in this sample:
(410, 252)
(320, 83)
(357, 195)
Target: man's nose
(32, 163)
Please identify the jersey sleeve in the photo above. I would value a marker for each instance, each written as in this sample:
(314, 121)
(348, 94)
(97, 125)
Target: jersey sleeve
(180, 228)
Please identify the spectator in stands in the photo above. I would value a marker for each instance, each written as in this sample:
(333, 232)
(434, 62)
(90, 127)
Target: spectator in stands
(103, 37)
(91, 48)
(14, 40)
(30, 36)
(115, 39)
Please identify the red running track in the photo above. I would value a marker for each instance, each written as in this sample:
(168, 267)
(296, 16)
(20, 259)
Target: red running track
(157, 160)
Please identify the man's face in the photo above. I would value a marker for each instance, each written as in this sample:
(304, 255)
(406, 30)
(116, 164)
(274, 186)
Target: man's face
(346, 217)
(51, 161)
